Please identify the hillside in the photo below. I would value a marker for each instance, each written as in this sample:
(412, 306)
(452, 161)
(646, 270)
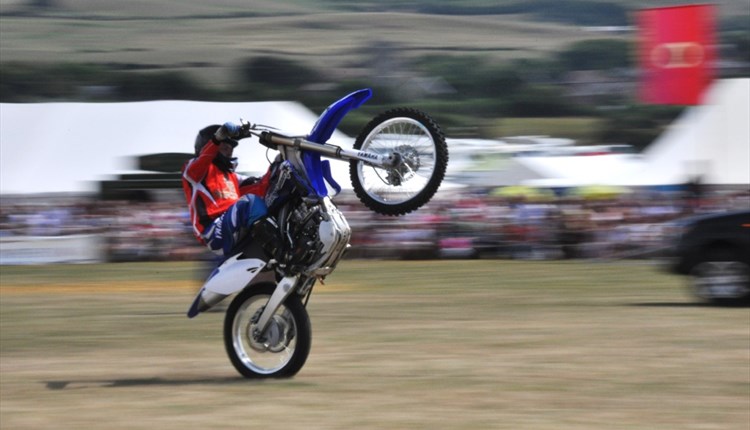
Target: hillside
(342, 43)
(190, 49)
(342, 37)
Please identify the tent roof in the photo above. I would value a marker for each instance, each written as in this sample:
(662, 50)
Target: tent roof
(69, 147)
(569, 171)
(710, 142)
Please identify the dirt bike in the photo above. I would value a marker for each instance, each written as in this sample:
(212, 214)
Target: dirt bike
(397, 164)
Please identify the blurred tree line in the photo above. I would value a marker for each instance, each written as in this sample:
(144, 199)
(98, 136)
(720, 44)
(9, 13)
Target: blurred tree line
(462, 92)
(577, 12)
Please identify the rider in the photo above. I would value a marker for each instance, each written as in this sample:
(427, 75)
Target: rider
(223, 204)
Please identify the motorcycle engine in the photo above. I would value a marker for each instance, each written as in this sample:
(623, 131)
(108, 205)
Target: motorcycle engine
(320, 236)
(303, 227)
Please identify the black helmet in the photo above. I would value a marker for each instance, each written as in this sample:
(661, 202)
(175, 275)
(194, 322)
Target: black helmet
(205, 135)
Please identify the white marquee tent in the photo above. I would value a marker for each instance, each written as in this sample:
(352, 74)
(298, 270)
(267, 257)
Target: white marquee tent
(69, 147)
(710, 142)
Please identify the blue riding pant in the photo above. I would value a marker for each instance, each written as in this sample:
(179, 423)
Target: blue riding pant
(225, 233)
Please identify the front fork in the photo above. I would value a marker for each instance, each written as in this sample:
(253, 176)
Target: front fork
(284, 289)
(389, 161)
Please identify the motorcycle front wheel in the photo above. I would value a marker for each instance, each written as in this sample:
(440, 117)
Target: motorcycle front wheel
(278, 353)
(418, 142)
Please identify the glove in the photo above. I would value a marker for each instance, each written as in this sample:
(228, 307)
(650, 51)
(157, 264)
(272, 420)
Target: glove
(226, 131)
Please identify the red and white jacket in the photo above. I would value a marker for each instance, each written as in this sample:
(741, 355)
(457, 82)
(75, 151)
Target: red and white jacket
(210, 191)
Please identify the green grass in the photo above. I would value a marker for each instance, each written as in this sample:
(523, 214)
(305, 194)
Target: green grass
(396, 345)
(208, 42)
(582, 129)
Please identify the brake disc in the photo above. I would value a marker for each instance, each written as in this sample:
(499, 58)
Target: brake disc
(274, 339)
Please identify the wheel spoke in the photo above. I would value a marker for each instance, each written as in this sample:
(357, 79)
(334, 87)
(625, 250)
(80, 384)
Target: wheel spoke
(419, 145)
(399, 136)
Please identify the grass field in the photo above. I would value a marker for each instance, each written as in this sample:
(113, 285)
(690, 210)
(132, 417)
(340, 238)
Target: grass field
(396, 345)
(209, 39)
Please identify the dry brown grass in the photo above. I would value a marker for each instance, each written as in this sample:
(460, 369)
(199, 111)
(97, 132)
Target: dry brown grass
(396, 345)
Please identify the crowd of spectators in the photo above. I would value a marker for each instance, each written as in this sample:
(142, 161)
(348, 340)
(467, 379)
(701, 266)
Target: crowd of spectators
(130, 230)
(480, 225)
(465, 224)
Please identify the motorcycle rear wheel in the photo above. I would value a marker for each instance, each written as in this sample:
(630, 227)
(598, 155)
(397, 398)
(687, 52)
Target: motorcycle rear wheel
(419, 141)
(284, 348)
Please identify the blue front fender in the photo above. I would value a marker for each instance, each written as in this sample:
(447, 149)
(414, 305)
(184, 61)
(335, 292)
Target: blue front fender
(322, 131)
(332, 116)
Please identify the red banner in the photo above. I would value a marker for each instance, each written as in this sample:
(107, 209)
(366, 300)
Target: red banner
(676, 53)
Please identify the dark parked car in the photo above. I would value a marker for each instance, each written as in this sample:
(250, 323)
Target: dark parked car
(714, 250)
